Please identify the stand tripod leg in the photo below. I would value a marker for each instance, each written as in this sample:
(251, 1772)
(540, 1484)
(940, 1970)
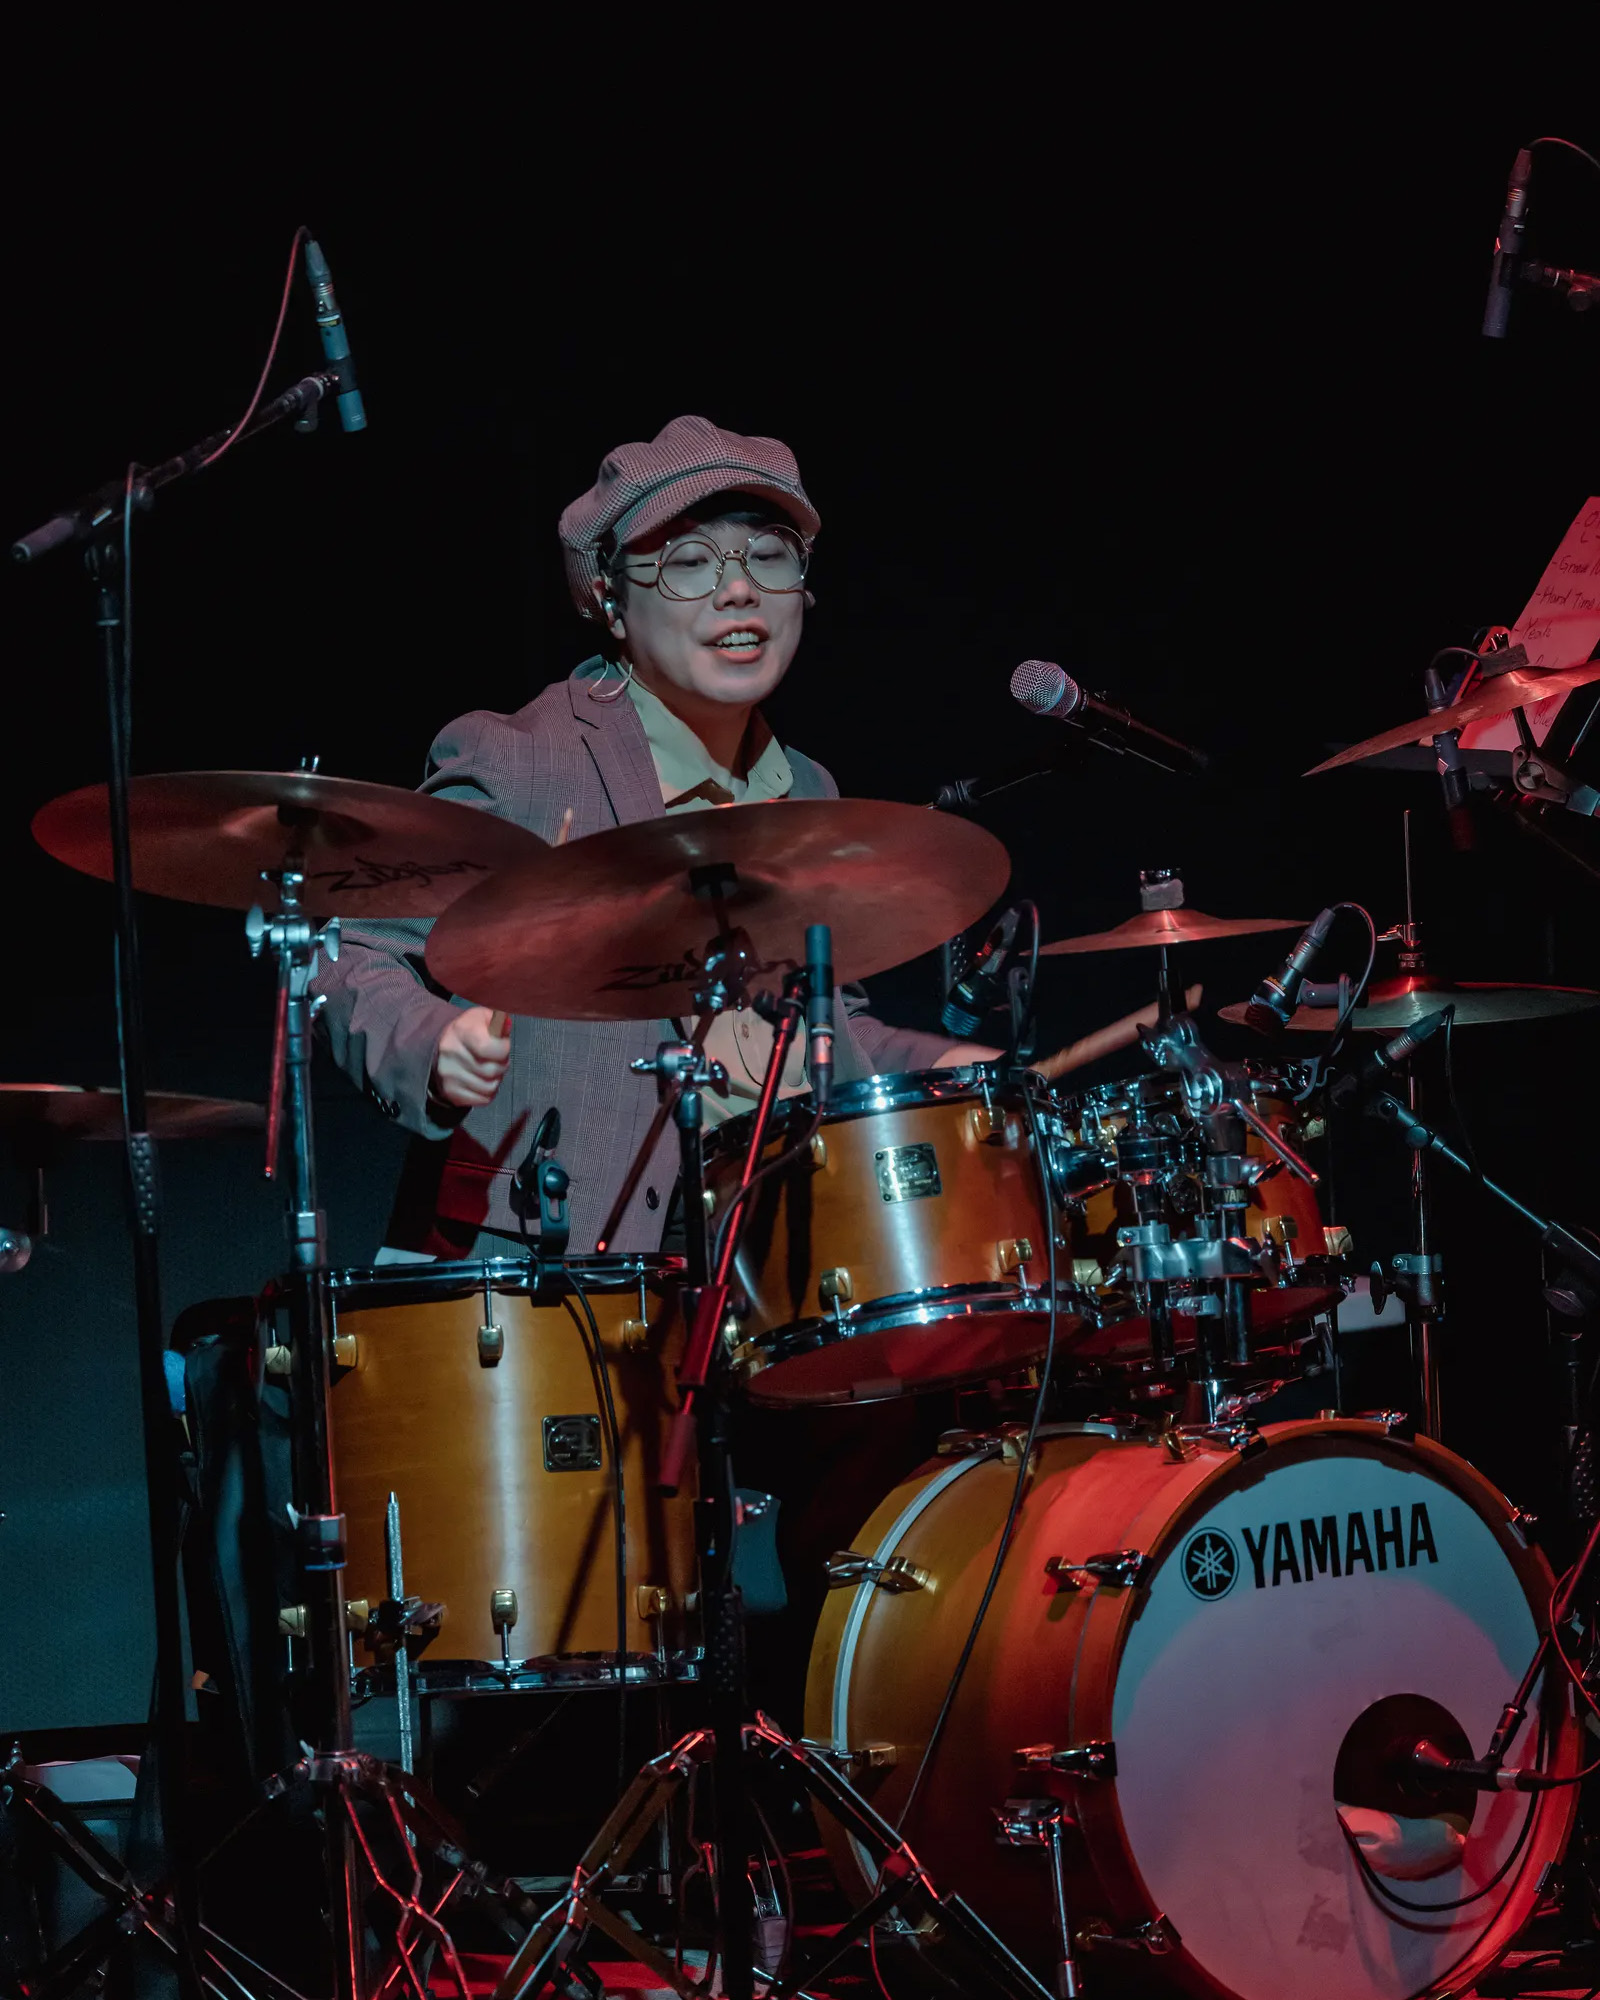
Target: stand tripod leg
(646, 1801)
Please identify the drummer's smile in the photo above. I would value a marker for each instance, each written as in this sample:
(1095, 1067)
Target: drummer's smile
(740, 643)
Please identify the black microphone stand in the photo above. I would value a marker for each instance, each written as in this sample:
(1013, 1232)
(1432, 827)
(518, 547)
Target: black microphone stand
(101, 523)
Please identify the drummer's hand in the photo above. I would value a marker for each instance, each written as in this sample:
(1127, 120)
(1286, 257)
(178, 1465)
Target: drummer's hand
(1106, 1041)
(471, 1060)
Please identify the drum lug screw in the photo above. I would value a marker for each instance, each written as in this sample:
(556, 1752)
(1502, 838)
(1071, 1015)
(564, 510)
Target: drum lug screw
(988, 1122)
(1123, 1567)
(278, 1361)
(819, 1151)
(1082, 1760)
(1013, 1253)
(292, 1620)
(346, 1353)
(357, 1613)
(846, 1568)
(502, 1616)
(634, 1334)
(491, 1345)
(652, 1601)
(834, 1288)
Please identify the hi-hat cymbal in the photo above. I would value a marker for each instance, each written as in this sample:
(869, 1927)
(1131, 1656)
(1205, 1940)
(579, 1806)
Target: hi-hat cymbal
(1393, 1004)
(69, 1111)
(1498, 695)
(1180, 926)
(612, 927)
(210, 836)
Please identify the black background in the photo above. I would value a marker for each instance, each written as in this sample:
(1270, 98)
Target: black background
(1188, 393)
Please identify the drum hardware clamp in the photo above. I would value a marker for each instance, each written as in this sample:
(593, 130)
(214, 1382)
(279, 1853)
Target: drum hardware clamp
(1126, 1568)
(1097, 1759)
(847, 1567)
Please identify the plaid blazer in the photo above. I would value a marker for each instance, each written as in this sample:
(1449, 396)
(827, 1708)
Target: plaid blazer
(384, 1014)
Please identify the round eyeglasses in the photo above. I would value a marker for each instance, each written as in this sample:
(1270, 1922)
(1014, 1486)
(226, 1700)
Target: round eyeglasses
(774, 559)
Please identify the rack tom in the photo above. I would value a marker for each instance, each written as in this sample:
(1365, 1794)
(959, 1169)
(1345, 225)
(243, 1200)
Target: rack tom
(468, 1391)
(908, 1248)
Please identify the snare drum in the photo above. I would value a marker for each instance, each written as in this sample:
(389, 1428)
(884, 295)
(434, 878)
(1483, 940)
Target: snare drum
(907, 1250)
(468, 1391)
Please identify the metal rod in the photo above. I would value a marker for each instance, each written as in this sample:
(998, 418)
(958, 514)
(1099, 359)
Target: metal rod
(397, 1592)
(170, 1736)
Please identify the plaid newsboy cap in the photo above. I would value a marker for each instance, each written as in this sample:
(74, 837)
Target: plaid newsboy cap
(642, 486)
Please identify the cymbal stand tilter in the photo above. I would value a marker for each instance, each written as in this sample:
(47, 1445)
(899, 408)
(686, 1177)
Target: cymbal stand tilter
(682, 1073)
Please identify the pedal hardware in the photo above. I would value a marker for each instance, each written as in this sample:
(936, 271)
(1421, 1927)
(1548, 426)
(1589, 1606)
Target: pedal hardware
(1082, 1760)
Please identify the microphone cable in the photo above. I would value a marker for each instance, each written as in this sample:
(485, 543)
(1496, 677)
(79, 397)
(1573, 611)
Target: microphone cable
(301, 235)
(1019, 1488)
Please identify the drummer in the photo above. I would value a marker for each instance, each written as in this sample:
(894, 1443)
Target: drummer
(689, 557)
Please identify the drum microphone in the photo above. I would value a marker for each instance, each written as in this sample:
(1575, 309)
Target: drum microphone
(981, 988)
(1508, 245)
(335, 340)
(1276, 997)
(819, 1011)
(1046, 689)
(1427, 1762)
(1384, 1064)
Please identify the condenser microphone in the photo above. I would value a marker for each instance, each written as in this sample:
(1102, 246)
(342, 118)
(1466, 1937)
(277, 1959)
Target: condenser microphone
(1043, 688)
(1508, 248)
(819, 1012)
(1276, 996)
(981, 988)
(1388, 1061)
(335, 338)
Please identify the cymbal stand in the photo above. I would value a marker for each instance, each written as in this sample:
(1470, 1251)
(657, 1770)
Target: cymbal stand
(1417, 1274)
(297, 943)
(682, 1072)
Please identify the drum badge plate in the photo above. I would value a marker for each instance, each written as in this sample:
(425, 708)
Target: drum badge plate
(572, 1444)
(907, 1173)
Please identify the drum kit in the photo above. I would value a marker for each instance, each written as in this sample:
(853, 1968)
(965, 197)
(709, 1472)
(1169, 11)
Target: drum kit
(1166, 1697)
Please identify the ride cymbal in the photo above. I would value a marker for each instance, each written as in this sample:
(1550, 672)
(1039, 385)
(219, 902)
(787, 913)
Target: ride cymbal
(1393, 1004)
(614, 927)
(1157, 927)
(211, 836)
(72, 1111)
(1498, 695)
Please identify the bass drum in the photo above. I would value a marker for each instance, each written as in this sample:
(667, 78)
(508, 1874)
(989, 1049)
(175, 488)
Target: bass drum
(1277, 1627)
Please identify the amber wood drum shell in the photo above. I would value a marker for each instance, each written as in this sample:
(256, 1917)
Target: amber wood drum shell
(478, 1455)
(1051, 1667)
(907, 1250)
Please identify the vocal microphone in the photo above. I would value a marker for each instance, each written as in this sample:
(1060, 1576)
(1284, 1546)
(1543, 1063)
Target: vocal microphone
(1384, 1064)
(1276, 996)
(1046, 689)
(335, 340)
(1508, 246)
(819, 1011)
(981, 988)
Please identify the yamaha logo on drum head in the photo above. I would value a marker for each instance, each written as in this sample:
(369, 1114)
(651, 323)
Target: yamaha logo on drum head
(1210, 1563)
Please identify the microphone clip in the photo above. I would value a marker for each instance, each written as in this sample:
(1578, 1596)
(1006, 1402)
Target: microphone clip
(541, 1183)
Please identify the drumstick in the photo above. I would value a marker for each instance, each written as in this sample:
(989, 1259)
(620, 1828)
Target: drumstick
(500, 1020)
(1106, 1041)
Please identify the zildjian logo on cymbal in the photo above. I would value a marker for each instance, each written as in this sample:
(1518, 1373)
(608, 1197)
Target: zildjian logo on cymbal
(640, 978)
(375, 874)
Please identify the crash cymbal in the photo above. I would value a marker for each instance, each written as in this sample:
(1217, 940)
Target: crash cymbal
(1498, 695)
(366, 850)
(1180, 926)
(70, 1111)
(611, 928)
(1394, 1004)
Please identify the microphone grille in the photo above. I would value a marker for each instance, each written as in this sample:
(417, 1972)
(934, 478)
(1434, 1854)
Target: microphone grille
(1043, 687)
